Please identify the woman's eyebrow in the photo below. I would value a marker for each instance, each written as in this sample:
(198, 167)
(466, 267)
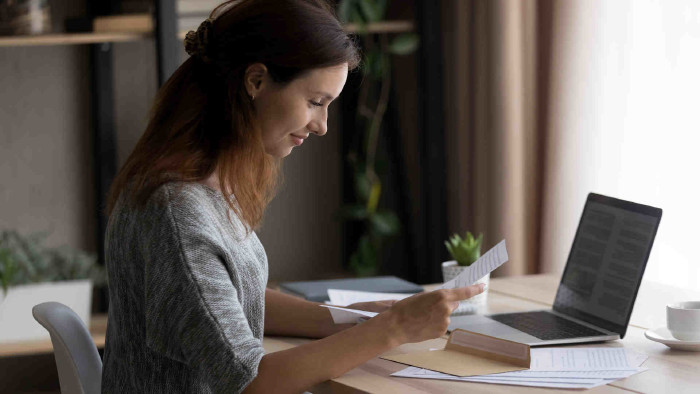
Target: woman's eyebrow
(325, 95)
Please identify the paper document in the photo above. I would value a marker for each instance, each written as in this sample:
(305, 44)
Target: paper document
(586, 381)
(344, 315)
(347, 297)
(578, 359)
(556, 367)
(491, 260)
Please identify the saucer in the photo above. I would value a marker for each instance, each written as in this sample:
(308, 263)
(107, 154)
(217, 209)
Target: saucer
(662, 335)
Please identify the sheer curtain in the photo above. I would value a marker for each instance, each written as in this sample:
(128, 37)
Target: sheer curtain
(497, 57)
(624, 121)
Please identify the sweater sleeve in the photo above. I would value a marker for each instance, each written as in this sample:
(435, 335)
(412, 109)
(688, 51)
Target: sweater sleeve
(193, 313)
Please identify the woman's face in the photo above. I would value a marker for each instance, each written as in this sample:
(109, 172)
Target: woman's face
(287, 114)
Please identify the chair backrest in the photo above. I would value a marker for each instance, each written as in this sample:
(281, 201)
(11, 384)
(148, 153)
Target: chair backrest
(78, 362)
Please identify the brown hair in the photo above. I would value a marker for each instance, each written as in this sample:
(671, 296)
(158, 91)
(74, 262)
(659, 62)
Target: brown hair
(202, 118)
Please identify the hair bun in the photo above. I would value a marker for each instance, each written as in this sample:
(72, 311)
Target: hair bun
(196, 42)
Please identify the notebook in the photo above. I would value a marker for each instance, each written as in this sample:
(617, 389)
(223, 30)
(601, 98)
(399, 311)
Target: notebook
(317, 290)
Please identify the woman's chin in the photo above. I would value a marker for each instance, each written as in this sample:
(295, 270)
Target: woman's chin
(279, 153)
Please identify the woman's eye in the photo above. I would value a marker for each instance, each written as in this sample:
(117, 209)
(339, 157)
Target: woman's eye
(316, 104)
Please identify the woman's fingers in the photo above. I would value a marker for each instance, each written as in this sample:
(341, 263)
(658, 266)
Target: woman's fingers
(462, 293)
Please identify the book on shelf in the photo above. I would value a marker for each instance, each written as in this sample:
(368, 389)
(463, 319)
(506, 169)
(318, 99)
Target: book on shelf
(130, 23)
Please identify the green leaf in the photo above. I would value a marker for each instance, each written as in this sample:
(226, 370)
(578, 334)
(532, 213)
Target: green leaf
(385, 223)
(344, 10)
(363, 186)
(354, 212)
(370, 10)
(403, 44)
(381, 8)
(357, 17)
(465, 251)
(374, 195)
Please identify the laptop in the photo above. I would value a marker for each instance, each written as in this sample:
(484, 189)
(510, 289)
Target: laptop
(598, 287)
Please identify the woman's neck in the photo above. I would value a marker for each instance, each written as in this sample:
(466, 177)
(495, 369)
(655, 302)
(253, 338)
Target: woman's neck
(212, 181)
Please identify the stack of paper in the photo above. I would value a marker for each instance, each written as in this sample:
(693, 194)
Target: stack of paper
(575, 368)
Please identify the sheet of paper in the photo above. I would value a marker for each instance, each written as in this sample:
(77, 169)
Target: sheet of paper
(419, 372)
(344, 315)
(578, 359)
(618, 374)
(346, 297)
(413, 372)
(635, 359)
(589, 379)
(488, 262)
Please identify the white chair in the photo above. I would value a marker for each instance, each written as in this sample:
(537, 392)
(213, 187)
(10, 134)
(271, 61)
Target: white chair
(78, 362)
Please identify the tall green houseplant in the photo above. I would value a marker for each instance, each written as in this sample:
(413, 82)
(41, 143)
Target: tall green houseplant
(378, 224)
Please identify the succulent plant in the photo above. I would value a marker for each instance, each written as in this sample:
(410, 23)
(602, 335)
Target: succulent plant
(465, 251)
(24, 259)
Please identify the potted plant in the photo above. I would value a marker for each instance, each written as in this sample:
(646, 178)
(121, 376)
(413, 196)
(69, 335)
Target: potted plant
(31, 273)
(465, 251)
(378, 224)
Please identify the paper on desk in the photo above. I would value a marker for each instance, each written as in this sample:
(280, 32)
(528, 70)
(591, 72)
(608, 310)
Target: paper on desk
(347, 297)
(578, 359)
(585, 383)
(557, 367)
(488, 262)
(344, 315)
(529, 375)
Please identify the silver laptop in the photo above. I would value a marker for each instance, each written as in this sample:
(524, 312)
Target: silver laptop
(599, 284)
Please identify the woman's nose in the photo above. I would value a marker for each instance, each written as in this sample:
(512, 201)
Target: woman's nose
(318, 127)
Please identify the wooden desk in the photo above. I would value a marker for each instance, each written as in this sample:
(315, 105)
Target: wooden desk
(669, 370)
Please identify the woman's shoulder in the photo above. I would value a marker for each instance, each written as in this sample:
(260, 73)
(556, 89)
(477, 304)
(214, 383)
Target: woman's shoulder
(185, 200)
(184, 195)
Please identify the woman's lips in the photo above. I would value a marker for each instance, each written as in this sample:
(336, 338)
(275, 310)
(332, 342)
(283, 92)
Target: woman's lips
(297, 140)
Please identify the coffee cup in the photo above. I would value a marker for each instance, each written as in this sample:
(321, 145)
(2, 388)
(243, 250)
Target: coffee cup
(683, 320)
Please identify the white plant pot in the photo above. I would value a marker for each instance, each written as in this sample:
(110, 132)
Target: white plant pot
(16, 320)
(476, 304)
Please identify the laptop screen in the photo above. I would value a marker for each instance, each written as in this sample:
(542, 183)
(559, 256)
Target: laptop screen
(607, 261)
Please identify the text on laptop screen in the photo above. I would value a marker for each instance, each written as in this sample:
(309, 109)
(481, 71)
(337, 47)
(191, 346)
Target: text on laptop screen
(606, 262)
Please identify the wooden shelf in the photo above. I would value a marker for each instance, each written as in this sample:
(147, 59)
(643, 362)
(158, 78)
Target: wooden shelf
(381, 27)
(98, 330)
(70, 39)
(94, 38)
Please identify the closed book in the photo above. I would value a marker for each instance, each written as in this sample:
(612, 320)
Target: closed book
(317, 290)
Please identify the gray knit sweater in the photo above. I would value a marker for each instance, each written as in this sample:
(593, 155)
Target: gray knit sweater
(187, 295)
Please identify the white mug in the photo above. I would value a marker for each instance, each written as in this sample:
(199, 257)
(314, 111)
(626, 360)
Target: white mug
(683, 320)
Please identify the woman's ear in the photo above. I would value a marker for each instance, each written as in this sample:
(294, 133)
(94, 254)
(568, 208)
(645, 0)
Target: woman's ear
(254, 78)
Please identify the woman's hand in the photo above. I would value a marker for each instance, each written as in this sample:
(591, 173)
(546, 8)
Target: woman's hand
(373, 306)
(427, 315)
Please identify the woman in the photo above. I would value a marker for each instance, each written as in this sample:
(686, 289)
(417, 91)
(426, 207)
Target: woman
(187, 274)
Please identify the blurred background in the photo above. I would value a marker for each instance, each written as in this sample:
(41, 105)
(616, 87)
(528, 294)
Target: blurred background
(495, 117)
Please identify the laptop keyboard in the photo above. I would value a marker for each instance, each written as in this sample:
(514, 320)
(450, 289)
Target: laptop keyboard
(545, 325)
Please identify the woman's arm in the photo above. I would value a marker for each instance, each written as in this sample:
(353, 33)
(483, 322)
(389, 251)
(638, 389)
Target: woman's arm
(286, 315)
(414, 319)
(291, 316)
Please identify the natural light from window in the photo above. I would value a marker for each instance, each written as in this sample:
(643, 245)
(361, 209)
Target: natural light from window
(628, 112)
